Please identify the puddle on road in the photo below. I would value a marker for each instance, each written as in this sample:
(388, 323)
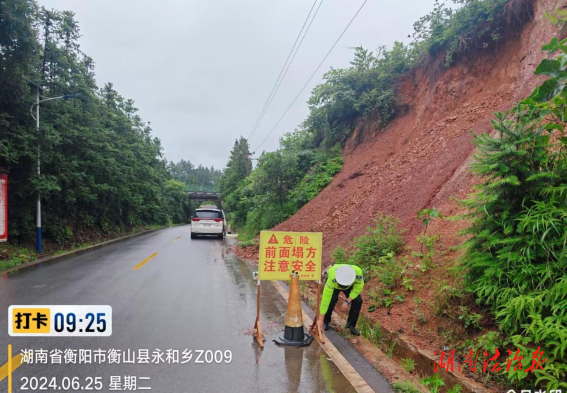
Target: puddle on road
(305, 369)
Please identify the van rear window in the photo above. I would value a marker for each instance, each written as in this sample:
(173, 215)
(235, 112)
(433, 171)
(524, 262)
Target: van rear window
(208, 214)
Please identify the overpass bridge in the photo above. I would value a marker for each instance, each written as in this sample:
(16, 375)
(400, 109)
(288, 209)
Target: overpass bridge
(204, 196)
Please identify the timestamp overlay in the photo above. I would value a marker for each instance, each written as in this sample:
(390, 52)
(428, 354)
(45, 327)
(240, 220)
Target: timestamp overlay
(60, 321)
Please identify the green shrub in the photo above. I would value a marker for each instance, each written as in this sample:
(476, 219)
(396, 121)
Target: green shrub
(488, 341)
(339, 255)
(370, 331)
(383, 240)
(388, 271)
(408, 364)
(315, 180)
(477, 24)
(14, 255)
(445, 296)
(282, 182)
(405, 387)
(455, 389)
(390, 350)
(433, 383)
(365, 89)
(408, 283)
(375, 251)
(428, 242)
(247, 243)
(470, 319)
(515, 257)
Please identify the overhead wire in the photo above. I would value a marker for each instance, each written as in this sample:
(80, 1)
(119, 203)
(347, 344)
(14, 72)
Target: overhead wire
(291, 61)
(270, 96)
(312, 75)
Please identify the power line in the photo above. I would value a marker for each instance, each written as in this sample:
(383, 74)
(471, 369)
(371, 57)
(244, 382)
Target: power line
(280, 77)
(270, 96)
(312, 75)
(293, 57)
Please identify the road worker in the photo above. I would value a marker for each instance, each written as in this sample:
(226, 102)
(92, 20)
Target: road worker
(347, 279)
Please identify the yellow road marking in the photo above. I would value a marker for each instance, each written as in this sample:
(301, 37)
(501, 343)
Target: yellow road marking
(7, 369)
(139, 265)
(177, 238)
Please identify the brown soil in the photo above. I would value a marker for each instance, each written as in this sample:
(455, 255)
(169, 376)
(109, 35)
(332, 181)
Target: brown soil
(421, 160)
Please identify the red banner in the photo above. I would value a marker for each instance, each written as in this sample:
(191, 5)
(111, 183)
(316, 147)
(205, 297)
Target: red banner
(3, 207)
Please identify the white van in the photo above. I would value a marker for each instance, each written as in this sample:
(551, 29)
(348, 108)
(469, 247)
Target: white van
(208, 221)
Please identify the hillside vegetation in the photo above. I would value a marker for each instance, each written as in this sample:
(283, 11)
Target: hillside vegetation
(367, 91)
(100, 165)
(102, 171)
(515, 261)
(282, 182)
(508, 289)
(516, 255)
(195, 178)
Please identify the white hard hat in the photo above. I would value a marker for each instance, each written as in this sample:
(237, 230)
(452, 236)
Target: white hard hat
(345, 275)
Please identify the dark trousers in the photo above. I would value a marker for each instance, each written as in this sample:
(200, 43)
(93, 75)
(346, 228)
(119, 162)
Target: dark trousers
(355, 307)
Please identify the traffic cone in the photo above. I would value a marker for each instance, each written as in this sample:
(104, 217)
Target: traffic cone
(293, 333)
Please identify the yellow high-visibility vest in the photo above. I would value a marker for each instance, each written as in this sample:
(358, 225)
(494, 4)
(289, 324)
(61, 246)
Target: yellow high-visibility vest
(332, 284)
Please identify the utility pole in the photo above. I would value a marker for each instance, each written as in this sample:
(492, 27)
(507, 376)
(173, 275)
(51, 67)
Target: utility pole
(38, 213)
(36, 103)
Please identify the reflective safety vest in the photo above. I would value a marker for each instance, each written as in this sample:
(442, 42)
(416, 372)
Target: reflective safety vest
(332, 284)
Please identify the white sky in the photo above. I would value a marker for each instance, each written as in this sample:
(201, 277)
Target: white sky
(200, 71)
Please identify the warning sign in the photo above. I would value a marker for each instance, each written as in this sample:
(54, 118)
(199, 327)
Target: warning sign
(284, 252)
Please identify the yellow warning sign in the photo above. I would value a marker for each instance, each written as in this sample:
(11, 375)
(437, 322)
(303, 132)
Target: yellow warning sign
(284, 252)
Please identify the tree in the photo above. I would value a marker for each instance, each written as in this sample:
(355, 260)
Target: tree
(238, 167)
(195, 178)
(101, 168)
(274, 178)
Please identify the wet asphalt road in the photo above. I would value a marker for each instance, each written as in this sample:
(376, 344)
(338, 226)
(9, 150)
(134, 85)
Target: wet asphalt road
(192, 295)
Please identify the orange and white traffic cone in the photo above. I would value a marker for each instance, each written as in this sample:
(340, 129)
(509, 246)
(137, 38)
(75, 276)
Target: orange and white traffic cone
(293, 333)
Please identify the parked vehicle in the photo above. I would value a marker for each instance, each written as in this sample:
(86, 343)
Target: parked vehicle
(208, 221)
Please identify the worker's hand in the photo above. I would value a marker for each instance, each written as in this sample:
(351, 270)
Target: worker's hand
(344, 307)
(320, 321)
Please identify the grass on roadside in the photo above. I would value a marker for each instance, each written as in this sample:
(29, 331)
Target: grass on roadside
(12, 255)
(405, 387)
(247, 243)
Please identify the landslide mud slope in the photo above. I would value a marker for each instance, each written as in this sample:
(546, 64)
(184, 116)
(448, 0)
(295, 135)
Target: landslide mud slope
(421, 160)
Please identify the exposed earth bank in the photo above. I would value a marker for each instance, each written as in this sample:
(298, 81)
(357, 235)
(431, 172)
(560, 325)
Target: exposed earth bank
(421, 160)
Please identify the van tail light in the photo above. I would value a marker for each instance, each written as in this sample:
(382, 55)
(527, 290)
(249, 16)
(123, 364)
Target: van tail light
(218, 219)
(195, 219)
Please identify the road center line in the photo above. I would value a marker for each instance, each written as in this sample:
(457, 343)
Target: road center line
(7, 369)
(176, 239)
(357, 382)
(139, 265)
